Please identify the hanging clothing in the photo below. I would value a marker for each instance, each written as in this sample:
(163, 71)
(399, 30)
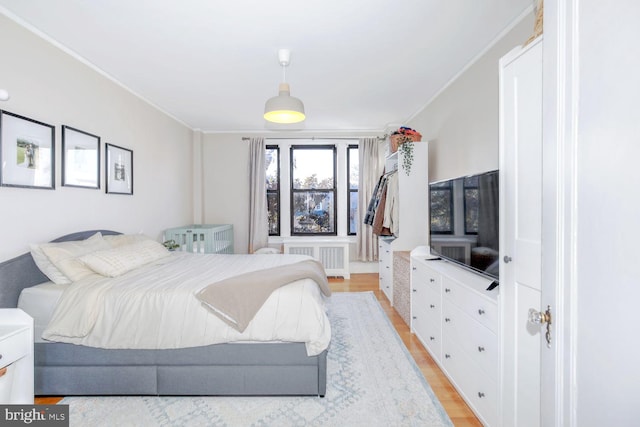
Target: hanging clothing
(382, 213)
(375, 200)
(391, 211)
(378, 218)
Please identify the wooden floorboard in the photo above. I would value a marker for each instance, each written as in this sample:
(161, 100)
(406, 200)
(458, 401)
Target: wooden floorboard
(455, 406)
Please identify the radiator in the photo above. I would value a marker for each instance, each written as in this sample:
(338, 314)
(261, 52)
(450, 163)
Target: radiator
(333, 255)
(454, 252)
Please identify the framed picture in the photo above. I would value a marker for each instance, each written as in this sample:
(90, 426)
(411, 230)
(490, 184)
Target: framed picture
(80, 158)
(27, 152)
(118, 170)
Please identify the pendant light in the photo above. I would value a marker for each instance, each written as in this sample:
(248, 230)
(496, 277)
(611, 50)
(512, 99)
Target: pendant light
(284, 108)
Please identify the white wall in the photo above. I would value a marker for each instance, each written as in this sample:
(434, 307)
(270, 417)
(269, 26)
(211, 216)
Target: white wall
(50, 86)
(461, 123)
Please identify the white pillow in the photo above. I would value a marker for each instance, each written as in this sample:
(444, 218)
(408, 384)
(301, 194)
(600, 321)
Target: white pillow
(117, 261)
(49, 270)
(117, 240)
(64, 255)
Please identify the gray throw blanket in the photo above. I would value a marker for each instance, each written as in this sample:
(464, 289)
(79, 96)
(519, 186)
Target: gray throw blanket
(236, 300)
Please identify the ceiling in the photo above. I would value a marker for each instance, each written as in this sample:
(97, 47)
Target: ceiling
(358, 65)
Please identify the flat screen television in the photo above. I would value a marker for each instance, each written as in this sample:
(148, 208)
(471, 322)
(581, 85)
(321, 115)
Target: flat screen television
(464, 222)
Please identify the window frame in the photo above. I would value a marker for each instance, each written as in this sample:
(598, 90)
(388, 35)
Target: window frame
(276, 192)
(355, 147)
(293, 191)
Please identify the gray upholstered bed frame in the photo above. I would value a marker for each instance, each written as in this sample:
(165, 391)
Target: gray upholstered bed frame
(220, 369)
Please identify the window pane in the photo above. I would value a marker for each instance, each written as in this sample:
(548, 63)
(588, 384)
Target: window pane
(274, 214)
(313, 212)
(353, 212)
(471, 211)
(441, 214)
(271, 163)
(354, 169)
(312, 168)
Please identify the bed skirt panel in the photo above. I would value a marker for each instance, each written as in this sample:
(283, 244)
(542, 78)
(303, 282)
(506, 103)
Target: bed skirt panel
(221, 369)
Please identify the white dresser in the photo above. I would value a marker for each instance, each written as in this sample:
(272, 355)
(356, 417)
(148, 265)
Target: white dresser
(16, 357)
(457, 319)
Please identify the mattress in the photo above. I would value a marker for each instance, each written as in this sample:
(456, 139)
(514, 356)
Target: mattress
(39, 302)
(155, 307)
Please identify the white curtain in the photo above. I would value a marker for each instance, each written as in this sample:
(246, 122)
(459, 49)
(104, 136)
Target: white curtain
(258, 213)
(371, 167)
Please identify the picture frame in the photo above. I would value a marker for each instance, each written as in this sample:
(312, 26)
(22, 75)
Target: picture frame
(80, 158)
(27, 152)
(118, 170)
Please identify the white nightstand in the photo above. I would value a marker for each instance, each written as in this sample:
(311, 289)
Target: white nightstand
(16, 355)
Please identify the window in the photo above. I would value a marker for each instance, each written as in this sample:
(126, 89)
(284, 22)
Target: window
(313, 190)
(272, 165)
(442, 208)
(471, 205)
(353, 171)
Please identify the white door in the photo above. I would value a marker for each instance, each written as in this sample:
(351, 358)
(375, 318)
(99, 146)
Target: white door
(590, 276)
(521, 232)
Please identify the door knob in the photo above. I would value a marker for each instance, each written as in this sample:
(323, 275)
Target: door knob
(540, 318)
(507, 259)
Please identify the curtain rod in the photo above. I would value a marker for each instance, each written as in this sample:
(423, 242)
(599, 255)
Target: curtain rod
(313, 138)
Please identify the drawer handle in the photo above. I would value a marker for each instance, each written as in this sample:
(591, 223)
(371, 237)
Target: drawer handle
(415, 290)
(447, 356)
(480, 394)
(414, 317)
(447, 290)
(480, 349)
(413, 268)
(480, 311)
(432, 306)
(432, 280)
(446, 319)
(432, 338)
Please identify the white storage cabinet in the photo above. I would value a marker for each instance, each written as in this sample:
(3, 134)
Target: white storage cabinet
(457, 319)
(16, 357)
(413, 212)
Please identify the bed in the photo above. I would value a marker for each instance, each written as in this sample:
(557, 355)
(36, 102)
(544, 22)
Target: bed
(241, 367)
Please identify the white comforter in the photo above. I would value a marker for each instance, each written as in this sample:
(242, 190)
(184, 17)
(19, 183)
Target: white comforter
(154, 307)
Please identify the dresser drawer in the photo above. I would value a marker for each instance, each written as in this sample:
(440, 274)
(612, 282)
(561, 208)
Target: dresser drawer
(14, 346)
(480, 391)
(478, 342)
(427, 325)
(423, 274)
(477, 307)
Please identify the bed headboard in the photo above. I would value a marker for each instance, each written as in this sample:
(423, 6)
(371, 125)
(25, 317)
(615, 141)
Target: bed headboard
(21, 272)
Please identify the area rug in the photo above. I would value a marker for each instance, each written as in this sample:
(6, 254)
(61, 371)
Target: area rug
(372, 380)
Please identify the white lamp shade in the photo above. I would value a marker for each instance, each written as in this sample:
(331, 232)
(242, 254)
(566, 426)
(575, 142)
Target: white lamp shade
(284, 108)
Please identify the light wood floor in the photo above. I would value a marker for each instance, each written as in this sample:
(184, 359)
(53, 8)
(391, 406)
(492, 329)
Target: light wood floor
(456, 408)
